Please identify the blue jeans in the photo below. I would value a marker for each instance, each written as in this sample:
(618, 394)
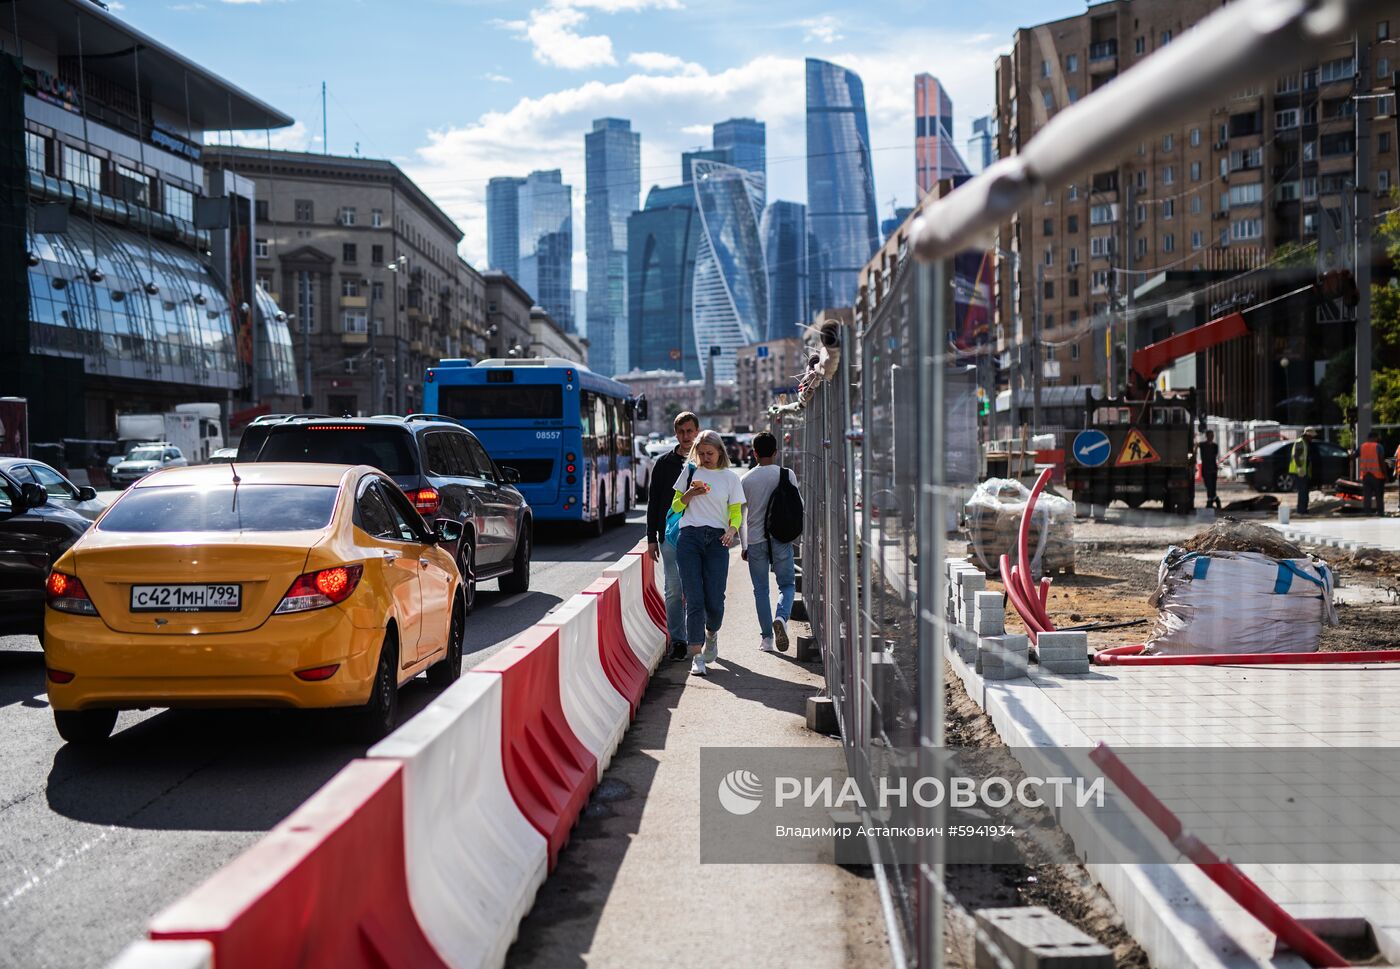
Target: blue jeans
(675, 594)
(704, 563)
(760, 563)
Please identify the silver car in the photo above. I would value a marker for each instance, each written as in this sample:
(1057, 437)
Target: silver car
(143, 460)
(62, 492)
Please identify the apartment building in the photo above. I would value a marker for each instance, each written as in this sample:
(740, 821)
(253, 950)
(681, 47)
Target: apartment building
(764, 372)
(1222, 192)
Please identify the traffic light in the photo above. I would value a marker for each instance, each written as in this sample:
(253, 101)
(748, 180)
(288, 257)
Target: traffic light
(1339, 284)
(984, 403)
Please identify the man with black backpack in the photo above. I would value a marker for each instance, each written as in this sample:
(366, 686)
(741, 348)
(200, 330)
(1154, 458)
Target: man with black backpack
(773, 523)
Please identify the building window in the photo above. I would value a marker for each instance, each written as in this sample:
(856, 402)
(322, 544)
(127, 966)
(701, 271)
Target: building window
(1250, 194)
(1286, 192)
(1141, 247)
(1072, 222)
(1049, 257)
(1168, 242)
(1383, 142)
(1385, 107)
(1049, 99)
(376, 218)
(265, 282)
(1243, 158)
(260, 248)
(1044, 68)
(1103, 214)
(1195, 137)
(1049, 291)
(376, 255)
(1288, 84)
(1074, 353)
(1383, 67)
(36, 152)
(349, 286)
(1101, 246)
(83, 169)
(1309, 223)
(1383, 30)
(377, 291)
(347, 215)
(1166, 38)
(1168, 175)
(348, 252)
(1309, 151)
(1168, 142)
(1140, 45)
(1383, 180)
(1195, 171)
(1169, 208)
(1047, 227)
(1139, 213)
(1310, 113)
(1197, 239)
(1073, 193)
(1140, 179)
(305, 212)
(131, 185)
(178, 203)
(1287, 118)
(1099, 280)
(354, 321)
(1073, 92)
(1337, 70)
(306, 302)
(1073, 256)
(1071, 62)
(1246, 229)
(1073, 286)
(260, 213)
(1195, 205)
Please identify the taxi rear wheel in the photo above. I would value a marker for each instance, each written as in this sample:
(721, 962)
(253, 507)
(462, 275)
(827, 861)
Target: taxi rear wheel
(445, 671)
(85, 726)
(375, 720)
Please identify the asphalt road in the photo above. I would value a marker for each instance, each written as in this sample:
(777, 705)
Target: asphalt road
(94, 843)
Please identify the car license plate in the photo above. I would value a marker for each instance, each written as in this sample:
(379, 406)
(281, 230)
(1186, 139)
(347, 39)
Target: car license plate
(1130, 489)
(186, 598)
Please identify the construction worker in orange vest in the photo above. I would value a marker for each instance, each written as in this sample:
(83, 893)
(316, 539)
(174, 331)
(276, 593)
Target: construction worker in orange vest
(1371, 468)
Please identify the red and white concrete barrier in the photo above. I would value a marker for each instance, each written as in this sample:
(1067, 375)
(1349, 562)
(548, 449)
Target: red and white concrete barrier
(194, 954)
(647, 640)
(656, 602)
(626, 670)
(474, 861)
(596, 710)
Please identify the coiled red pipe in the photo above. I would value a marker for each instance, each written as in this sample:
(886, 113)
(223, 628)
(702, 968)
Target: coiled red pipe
(1223, 872)
(1013, 592)
(1030, 594)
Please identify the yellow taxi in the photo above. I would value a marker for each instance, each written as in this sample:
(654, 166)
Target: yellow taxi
(298, 585)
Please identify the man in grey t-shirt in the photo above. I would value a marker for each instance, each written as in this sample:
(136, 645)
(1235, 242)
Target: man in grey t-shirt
(765, 555)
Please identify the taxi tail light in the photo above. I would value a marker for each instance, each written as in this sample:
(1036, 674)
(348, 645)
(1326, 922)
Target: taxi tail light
(60, 676)
(66, 594)
(318, 673)
(426, 500)
(316, 590)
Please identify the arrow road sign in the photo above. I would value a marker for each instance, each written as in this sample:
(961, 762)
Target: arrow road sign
(1091, 448)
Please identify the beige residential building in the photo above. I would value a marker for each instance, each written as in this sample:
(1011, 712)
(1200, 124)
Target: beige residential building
(367, 267)
(1220, 192)
(764, 372)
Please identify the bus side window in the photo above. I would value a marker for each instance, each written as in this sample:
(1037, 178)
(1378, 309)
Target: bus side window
(585, 415)
(602, 429)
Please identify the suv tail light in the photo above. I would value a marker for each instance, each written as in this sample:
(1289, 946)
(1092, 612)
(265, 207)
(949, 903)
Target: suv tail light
(426, 500)
(66, 594)
(316, 590)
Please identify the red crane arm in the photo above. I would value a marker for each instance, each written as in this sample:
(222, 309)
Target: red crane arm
(1152, 359)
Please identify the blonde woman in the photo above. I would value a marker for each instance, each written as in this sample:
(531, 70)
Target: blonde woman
(710, 500)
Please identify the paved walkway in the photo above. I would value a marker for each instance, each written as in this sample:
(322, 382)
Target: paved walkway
(1353, 531)
(630, 889)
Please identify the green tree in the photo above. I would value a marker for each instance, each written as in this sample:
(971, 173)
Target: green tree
(1385, 335)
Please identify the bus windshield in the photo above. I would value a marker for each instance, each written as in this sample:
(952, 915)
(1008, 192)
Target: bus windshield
(502, 402)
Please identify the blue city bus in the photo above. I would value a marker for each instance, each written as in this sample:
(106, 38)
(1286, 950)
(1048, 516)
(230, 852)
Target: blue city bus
(566, 430)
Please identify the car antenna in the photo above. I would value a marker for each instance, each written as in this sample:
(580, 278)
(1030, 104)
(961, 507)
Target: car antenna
(234, 468)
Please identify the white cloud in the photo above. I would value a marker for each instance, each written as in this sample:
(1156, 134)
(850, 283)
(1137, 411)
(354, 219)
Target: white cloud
(554, 35)
(655, 62)
(619, 6)
(294, 137)
(825, 29)
(185, 7)
(497, 79)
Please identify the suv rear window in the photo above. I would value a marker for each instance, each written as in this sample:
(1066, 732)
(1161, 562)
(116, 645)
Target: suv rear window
(258, 508)
(390, 449)
(502, 402)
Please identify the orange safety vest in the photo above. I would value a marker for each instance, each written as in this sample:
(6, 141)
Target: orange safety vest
(1371, 465)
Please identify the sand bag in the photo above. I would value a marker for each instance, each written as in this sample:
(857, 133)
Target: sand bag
(1240, 602)
(993, 520)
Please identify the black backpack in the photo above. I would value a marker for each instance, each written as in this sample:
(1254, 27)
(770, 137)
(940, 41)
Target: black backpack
(784, 518)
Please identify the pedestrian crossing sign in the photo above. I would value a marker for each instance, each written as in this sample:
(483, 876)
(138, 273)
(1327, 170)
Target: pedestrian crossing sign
(1136, 450)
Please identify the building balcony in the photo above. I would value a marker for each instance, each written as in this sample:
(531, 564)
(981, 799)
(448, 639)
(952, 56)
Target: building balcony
(354, 339)
(416, 346)
(354, 302)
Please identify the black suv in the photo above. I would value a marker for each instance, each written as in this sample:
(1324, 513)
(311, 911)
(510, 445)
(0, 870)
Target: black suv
(438, 464)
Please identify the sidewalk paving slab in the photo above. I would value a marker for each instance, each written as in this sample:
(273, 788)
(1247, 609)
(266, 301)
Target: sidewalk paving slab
(630, 889)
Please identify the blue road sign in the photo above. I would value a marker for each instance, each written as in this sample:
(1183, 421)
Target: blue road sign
(1091, 448)
(763, 351)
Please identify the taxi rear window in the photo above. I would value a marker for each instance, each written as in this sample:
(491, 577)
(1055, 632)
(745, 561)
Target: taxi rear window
(225, 508)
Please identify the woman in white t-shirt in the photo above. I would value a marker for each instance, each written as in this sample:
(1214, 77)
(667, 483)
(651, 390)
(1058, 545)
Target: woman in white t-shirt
(711, 507)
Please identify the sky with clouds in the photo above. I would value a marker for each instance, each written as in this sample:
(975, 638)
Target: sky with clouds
(459, 91)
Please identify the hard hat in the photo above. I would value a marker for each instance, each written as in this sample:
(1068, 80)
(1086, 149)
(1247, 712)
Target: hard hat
(1310, 432)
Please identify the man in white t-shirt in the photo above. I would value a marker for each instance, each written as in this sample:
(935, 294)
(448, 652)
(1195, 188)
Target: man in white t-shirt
(763, 553)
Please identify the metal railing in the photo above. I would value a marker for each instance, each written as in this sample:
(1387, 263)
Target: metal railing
(878, 439)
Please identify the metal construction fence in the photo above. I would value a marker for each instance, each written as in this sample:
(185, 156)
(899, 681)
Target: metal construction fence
(883, 438)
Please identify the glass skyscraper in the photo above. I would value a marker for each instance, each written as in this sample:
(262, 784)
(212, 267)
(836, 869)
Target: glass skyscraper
(784, 231)
(841, 209)
(662, 242)
(613, 160)
(981, 147)
(730, 295)
(745, 141)
(503, 225)
(546, 244)
(935, 156)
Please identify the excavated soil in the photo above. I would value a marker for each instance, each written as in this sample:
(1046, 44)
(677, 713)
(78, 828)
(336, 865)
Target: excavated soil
(1228, 535)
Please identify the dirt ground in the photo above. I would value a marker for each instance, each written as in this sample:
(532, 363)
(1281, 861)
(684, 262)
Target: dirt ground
(1066, 890)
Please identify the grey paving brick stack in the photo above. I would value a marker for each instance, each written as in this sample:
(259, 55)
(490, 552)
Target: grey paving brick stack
(1063, 652)
(1002, 657)
(1033, 937)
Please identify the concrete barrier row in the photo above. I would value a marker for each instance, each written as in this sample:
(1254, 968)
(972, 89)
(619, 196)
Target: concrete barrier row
(429, 851)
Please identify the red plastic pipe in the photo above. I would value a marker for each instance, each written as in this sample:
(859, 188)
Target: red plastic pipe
(1222, 871)
(1013, 592)
(1127, 656)
(1045, 596)
(1030, 593)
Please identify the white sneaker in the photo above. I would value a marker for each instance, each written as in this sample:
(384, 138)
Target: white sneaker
(780, 634)
(697, 666)
(711, 650)
(766, 644)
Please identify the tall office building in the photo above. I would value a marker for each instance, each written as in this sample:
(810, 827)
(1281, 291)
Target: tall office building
(689, 158)
(613, 161)
(746, 142)
(784, 232)
(546, 244)
(503, 225)
(731, 280)
(935, 156)
(662, 242)
(982, 146)
(841, 209)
